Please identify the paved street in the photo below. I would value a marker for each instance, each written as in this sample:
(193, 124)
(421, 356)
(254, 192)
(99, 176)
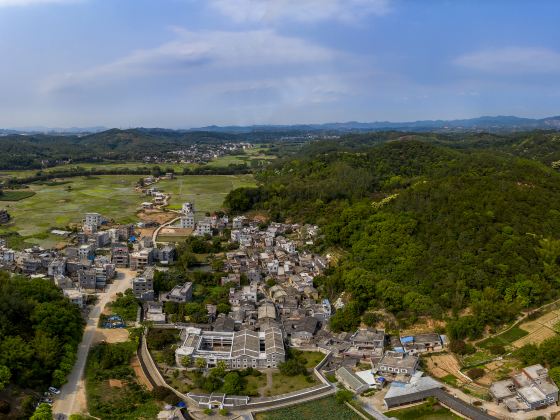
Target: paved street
(72, 398)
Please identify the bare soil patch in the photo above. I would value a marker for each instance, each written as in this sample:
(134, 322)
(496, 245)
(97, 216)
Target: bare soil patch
(116, 335)
(135, 363)
(115, 383)
(441, 365)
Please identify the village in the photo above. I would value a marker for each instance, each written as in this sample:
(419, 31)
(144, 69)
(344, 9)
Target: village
(199, 153)
(274, 309)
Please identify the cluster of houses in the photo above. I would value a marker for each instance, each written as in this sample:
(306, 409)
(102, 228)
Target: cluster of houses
(90, 261)
(528, 390)
(206, 226)
(202, 153)
(389, 358)
(158, 197)
(4, 216)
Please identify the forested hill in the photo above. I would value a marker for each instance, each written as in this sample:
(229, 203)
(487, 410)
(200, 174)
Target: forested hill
(425, 230)
(29, 151)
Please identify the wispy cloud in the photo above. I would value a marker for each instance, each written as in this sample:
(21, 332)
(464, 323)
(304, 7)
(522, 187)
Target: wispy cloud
(14, 3)
(512, 60)
(299, 10)
(228, 55)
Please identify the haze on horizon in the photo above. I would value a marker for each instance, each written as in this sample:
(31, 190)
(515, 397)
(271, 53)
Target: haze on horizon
(189, 63)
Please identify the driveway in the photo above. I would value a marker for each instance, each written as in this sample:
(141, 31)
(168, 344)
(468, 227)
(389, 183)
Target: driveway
(72, 398)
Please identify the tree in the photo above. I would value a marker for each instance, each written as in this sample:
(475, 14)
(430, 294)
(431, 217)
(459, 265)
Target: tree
(186, 361)
(233, 384)
(293, 367)
(5, 376)
(554, 374)
(43, 412)
(200, 363)
(220, 368)
(343, 395)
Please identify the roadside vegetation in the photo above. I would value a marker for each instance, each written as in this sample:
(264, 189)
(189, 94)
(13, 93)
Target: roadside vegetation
(39, 333)
(111, 386)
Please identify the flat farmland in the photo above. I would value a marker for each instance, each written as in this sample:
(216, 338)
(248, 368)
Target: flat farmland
(58, 205)
(312, 410)
(206, 191)
(539, 329)
(111, 195)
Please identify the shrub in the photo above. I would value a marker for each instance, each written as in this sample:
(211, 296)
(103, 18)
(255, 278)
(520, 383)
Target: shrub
(475, 373)
(223, 412)
(460, 347)
(343, 396)
(497, 349)
(208, 411)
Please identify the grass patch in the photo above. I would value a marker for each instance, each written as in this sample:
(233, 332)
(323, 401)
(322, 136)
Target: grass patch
(282, 384)
(424, 411)
(313, 410)
(450, 380)
(16, 195)
(126, 306)
(255, 384)
(475, 359)
(312, 358)
(504, 339)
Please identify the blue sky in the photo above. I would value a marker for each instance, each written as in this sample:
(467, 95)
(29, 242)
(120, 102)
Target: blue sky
(188, 63)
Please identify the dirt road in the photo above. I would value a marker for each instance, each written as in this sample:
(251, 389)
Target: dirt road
(72, 398)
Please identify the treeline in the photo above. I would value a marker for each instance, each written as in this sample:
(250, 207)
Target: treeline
(41, 176)
(424, 230)
(39, 333)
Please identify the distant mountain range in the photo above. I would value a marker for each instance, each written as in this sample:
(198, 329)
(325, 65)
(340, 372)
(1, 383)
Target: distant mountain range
(486, 123)
(498, 123)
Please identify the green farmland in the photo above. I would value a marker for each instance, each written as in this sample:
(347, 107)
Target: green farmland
(312, 410)
(111, 195)
(206, 191)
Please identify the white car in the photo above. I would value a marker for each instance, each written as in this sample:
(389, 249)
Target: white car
(54, 390)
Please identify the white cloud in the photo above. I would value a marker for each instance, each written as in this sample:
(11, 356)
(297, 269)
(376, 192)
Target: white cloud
(299, 10)
(201, 54)
(8, 3)
(512, 60)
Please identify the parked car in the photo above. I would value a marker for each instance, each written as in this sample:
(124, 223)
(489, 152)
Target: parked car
(54, 390)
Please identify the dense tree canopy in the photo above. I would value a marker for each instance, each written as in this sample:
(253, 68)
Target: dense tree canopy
(39, 332)
(423, 229)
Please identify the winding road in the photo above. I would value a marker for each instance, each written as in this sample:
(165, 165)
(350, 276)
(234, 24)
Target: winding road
(72, 398)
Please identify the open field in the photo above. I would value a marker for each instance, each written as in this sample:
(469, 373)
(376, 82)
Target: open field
(57, 206)
(206, 191)
(111, 195)
(15, 195)
(312, 410)
(446, 367)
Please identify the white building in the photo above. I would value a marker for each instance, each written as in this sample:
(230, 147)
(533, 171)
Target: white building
(93, 219)
(187, 208)
(240, 349)
(75, 296)
(203, 228)
(187, 221)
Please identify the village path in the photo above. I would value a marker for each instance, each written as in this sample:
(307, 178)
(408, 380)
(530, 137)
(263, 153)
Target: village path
(159, 228)
(72, 397)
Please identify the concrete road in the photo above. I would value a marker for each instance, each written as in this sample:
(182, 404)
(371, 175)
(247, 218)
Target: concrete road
(160, 227)
(72, 398)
